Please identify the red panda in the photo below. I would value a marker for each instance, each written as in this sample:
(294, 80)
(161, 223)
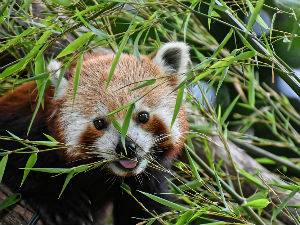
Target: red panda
(85, 124)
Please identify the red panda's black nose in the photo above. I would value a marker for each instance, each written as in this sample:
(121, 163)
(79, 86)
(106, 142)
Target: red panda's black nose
(130, 148)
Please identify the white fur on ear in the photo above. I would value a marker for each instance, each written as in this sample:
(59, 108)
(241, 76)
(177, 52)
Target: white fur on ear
(173, 57)
(54, 66)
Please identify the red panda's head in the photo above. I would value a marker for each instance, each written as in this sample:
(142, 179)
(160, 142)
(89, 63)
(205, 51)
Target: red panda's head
(86, 124)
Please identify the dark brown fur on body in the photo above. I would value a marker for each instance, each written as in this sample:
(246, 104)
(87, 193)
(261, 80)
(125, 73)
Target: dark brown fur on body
(88, 194)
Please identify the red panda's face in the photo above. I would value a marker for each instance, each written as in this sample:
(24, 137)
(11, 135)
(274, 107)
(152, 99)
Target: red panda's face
(89, 131)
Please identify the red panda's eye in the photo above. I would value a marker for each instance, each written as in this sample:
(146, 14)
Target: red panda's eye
(143, 117)
(99, 124)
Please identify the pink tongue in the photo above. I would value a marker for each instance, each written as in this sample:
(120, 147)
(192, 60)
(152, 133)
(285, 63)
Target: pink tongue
(127, 163)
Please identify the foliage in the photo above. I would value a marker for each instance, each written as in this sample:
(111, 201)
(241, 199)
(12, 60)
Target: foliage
(248, 110)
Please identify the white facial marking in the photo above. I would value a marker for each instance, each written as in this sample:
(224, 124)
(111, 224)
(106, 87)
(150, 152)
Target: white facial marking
(75, 124)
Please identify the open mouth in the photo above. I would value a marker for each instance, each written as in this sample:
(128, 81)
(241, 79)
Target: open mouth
(128, 163)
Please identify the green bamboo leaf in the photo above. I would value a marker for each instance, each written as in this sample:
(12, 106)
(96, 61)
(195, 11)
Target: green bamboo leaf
(119, 109)
(126, 123)
(224, 73)
(2, 166)
(184, 219)
(210, 11)
(40, 98)
(245, 42)
(11, 200)
(284, 203)
(165, 202)
(229, 109)
(68, 178)
(35, 77)
(51, 138)
(65, 3)
(136, 46)
(4, 8)
(77, 76)
(30, 163)
(255, 14)
(14, 136)
(130, 29)
(99, 33)
(39, 68)
(251, 88)
(145, 84)
(252, 179)
(178, 104)
(76, 44)
(258, 195)
(81, 168)
(116, 124)
(126, 188)
(243, 56)
(223, 43)
(23, 63)
(45, 143)
(258, 203)
(200, 76)
(50, 170)
(193, 165)
(16, 39)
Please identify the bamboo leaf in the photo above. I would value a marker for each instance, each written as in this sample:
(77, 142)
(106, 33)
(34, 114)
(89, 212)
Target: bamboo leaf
(68, 178)
(165, 202)
(258, 203)
(229, 109)
(16, 39)
(23, 63)
(178, 104)
(130, 29)
(77, 76)
(145, 84)
(41, 97)
(11, 200)
(30, 163)
(252, 179)
(223, 43)
(50, 170)
(184, 219)
(72, 47)
(136, 46)
(193, 166)
(126, 124)
(2, 166)
(255, 14)
(284, 203)
(65, 3)
(115, 124)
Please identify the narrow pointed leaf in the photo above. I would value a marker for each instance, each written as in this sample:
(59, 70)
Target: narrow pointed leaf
(2, 166)
(147, 83)
(77, 76)
(178, 104)
(126, 124)
(165, 202)
(11, 200)
(119, 52)
(68, 178)
(76, 44)
(229, 109)
(30, 163)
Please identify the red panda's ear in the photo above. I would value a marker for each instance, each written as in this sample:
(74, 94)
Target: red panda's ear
(173, 57)
(54, 67)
